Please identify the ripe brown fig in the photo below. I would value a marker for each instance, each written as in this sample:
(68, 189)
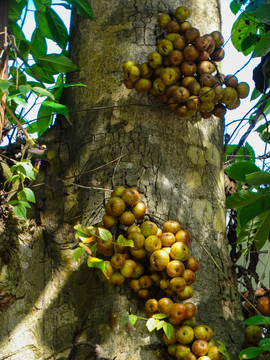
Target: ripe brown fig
(231, 80)
(200, 347)
(109, 221)
(182, 110)
(117, 191)
(178, 312)
(211, 43)
(207, 80)
(180, 43)
(171, 226)
(194, 88)
(137, 238)
(139, 210)
(175, 57)
(164, 306)
(131, 196)
(187, 80)
(263, 305)
(151, 306)
(175, 268)
(218, 38)
(173, 27)
(177, 284)
(127, 218)
(183, 236)
(159, 260)
(134, 285)
(144, 294)
(189, 276)
(191, 53)
(191, 310)
(206, 67)
(180, 94)
(145, 282)
(167, 238)
(184, 26)
(188, 68)
(193, 103)
(115, 206)
(191, 34)
(219, 110)
(118, 261)
(185, 294)
(218, 54)
(152, 243)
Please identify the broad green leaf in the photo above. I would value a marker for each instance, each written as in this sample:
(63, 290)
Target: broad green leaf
(246, 213)
(24, 89)
(265, 343)
(262, 13)
(96, 262)
(77, 253)
(244, 153)
(151, 324)
(105, 235)
(235, 6)
(42, 92)
(20, 211)
(14, 178)
(56, 108)
(256, 320)
(159, 316)
(120, 240)
(44, 119)
(82, 232)
(248, 150)
(57, 63)
(27, 169)
(44, 75)
(57, 27)
(64, 85)
(264, 132)
(257, 230)
(168, 329)
(243, 31)
(41, 4)
(4, 85)
(255, 94)
(38, 44)
(26, 194)
(18, 77)
(24, 203)
(242, 198)
(132, 319)
(42, 23)
(250, 352)
(17, 32)
(258, 178)
(223, 350)
(161, 324)
(15, 9)
(263, 45)
(83, 8)
(240, 169)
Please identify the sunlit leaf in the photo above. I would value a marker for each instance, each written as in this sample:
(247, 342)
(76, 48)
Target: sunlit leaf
(161, 324)
(168, 329)
(256, 320)
(57, 63)
(151, 324)
(96, 262)
(223, 350)
(26, 194)
(245, 27)
(250, 352)
(77, 253)
(42, 92)
(105, 235)
(20, 211)
(57, 27)
(159, 316)
(82, 231)
(132, 319)
(4, 85)
(240, 169)
(56, 107)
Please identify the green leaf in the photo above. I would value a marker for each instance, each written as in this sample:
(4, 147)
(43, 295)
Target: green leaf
(77, 253)
(44, 119)
(57, 63)
(56, 108)
(15, 9)
(223, 350)
(161, 324)
(105, 234)
(258, 178)
(4, 85)
(42, 92)
(96, 262)
(41, 4)
(44, 75)
(262, 46)
(244, 153)
(240, 169)
(159, 316)
(242, 198)
(57, 28)
(20, 211)
(255, 94)
(26, 194)
(243, 33)
(265, 343)
(168, 329)
(132, 319)
(83, 8)
(264, 132)
(151, 324)
(246, 213)
(256, 320)
(124, 242)
(82, 232)
(18, 100)
(250, 352)
(262, 13)
(64, 85)
(248, 150)
(257, 230)
(235, 7)
(24, 89)
(38, 44)
(26, 168)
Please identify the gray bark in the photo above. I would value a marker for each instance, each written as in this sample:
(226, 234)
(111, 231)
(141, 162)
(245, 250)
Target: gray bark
(53, 306)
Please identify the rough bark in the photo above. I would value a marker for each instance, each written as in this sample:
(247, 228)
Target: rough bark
(51, 305)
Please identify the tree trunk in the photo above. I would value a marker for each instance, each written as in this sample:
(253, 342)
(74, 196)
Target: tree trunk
(54, 306)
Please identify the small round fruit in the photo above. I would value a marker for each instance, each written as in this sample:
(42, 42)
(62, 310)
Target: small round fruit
(214, 353)
(179, 251)
(167, 238)
(183, 236)
(137, 238)
(132, 73)
(117, 191)
(169, 76)
(190, 356)
(164, 306)
(192, 34)
(231, 80)
(159, 86)
(175, 268)
(185, 294)
(218, 54)
(139, 210)
(138, 270)
(175, 57)
(151, 306)
(263, 305)
(171, 226)
(180, 94)
(178, 312)
(172, 340)
(144, 294)
(200, 347)
(188, 68)
(173, 27)
(181, 13)
(185, 334)
(159, 260)
(185, 26)
(191, 53)
(138, 254)
(180, 43)
(206, 67)
(218, 38)
(191, 310)
(131, 196)
(219, 110)
(181, 351)
(134, 285)
(177, 284)
(146, 70)
(207, 94)
(127, 218)
(242, 90)
(149, 228)
(253, 334)
(163, 20)
(128, 269)
(145, 282)
(118, 261)
(115, 206)
(154, 59)
(189, 276)
(152, 243)
(117, 278)
(172, 349)
(229, 96)
(143, 85)
(109, 221)
(164, 47)
(203, 332)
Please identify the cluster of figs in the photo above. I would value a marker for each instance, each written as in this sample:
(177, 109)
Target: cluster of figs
(157, 266)
(183, 73)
